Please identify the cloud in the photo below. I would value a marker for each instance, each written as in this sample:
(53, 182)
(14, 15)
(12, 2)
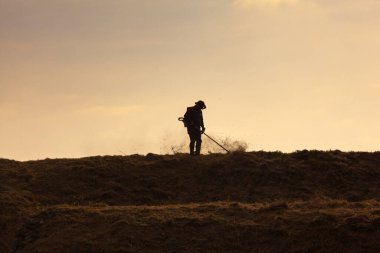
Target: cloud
(254, 3)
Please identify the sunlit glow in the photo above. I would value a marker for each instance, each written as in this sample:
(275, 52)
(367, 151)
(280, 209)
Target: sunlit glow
(110, 110)
(81, 77)
(251, 3)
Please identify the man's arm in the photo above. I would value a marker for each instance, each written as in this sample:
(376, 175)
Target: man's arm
(202, 124)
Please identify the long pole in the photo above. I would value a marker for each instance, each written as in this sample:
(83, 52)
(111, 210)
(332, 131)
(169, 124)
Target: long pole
(217, 143)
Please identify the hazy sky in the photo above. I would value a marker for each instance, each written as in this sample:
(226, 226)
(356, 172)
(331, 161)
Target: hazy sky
(96, 77)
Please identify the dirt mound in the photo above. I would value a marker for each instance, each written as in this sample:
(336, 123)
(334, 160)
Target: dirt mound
(307, 201)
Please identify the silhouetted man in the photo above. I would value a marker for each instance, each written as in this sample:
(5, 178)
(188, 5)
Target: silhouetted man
(193, 120)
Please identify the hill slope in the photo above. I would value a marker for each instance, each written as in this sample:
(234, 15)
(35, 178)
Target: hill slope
(308, 201)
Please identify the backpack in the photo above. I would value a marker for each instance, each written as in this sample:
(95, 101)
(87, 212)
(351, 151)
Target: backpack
(186, 120)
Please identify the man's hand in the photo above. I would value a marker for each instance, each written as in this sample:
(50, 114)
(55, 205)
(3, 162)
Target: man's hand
(203, 130)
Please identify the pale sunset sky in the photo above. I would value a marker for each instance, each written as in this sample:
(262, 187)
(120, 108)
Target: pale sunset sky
(99, 77)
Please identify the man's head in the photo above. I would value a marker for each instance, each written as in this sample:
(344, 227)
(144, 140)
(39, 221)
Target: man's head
(200, 104)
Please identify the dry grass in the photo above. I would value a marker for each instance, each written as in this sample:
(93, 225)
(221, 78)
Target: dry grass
(308, 201)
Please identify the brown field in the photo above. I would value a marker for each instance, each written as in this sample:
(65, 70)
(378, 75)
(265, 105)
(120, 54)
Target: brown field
(307, 201)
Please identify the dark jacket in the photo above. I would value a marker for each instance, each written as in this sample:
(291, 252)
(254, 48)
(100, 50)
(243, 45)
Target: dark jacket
(193, 117)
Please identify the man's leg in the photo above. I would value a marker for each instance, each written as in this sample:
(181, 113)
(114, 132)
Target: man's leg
(198, 144)
(192, 142)
(191, 146)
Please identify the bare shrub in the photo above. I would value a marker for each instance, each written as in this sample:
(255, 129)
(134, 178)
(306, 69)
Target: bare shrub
(235, 145)
(180, 148)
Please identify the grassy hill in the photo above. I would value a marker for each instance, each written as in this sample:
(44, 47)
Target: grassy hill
(307, 201)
